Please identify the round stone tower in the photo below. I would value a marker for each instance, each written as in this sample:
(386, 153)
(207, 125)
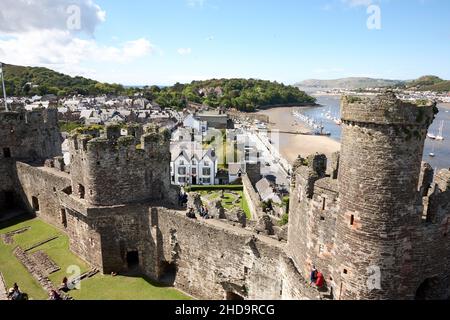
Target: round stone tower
(382, 149)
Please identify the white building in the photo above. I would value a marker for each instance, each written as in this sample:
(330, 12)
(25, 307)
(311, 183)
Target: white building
(235, 171)
(192, 122)
(191, 165)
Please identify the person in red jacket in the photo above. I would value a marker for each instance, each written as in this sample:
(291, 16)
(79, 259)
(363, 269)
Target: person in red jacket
(320, 280)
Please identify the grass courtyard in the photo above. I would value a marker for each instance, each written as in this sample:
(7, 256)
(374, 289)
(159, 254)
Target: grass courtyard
(231, 200)
(99, 287)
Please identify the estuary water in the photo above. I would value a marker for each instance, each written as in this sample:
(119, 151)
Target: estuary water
(330, 108)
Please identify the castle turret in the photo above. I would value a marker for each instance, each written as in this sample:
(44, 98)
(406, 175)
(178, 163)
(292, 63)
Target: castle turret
(380, 164)
(113, 170)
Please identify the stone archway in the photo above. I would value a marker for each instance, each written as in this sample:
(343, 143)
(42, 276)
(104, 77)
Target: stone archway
(428, 289)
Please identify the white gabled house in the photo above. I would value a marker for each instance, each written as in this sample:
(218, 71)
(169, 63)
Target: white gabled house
(192, 122)
(191, 165)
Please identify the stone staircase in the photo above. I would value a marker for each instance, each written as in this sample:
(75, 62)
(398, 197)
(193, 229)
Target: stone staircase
(37, 272)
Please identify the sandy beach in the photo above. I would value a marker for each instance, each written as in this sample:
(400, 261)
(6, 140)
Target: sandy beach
(291, 146)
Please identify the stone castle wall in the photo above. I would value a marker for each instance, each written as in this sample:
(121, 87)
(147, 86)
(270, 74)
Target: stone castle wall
(379, 201)
(115, 170)
(213, 259)
(312, 218)
(253, 200)
(25, 135)
(374, 212)
(30, 134)
(43, 184)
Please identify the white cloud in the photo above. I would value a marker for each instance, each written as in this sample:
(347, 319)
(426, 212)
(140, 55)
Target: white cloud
(357, 3)
(35, 33)
(17, 16)
(184, 51)
(59, 50)
(195, 3)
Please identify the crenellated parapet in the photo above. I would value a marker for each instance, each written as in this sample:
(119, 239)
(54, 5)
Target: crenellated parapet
(439, 199)
(37, 117)
(308, 171)
(30, 135)
(386, 109)
(110, 169)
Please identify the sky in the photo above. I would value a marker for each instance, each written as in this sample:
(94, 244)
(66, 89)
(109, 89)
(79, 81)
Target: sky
(147, 42)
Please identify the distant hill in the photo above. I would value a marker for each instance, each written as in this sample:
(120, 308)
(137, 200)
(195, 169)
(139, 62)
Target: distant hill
(349, 83)
(29, 81)
(425, 83)
(429, 83)
(242, 94)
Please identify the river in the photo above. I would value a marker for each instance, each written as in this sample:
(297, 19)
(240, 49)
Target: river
(441, 149)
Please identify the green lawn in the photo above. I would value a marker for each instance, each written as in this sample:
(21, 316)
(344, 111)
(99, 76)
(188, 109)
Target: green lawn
(229, 199)
(103, 287)
(97, 288)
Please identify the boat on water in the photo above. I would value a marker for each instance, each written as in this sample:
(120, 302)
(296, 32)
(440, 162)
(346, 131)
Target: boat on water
(431, 136)
(432, 154)
(440, 136)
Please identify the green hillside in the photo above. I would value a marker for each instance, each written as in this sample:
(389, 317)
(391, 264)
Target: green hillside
(429, 83)
(242, 94)
(29, 81)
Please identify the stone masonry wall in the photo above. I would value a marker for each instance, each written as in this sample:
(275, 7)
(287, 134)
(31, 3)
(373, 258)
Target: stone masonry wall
(253, 200)
(43, 184)
(213, 258)
(131, 172)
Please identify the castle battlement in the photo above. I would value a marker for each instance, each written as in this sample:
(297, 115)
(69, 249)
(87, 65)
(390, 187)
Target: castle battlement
(90, 143)
(134, 168)
(378, 206)
(312, 171)
(36, 117)
(30, 135)
(374, 219)
(386, 109)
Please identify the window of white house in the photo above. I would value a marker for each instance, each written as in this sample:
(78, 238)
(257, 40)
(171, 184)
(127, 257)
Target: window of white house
(206, 180)
(206, 163)
(182, 170)
(182, 162)
(182, 180)
(194, 170)
(206, 171)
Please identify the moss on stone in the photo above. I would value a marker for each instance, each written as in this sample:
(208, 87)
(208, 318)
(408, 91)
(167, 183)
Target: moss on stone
(353, 99)
(125, 141)
(84, 129)
(152, 137)
(100, 140)
(114, 126)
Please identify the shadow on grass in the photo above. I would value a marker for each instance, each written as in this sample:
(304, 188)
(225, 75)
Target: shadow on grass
(166, 282)
(16, 220)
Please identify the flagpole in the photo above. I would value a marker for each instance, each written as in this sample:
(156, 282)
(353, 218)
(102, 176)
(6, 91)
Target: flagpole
(3, 86)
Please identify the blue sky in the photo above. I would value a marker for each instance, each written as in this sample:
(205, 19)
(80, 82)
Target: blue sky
(165, 41)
